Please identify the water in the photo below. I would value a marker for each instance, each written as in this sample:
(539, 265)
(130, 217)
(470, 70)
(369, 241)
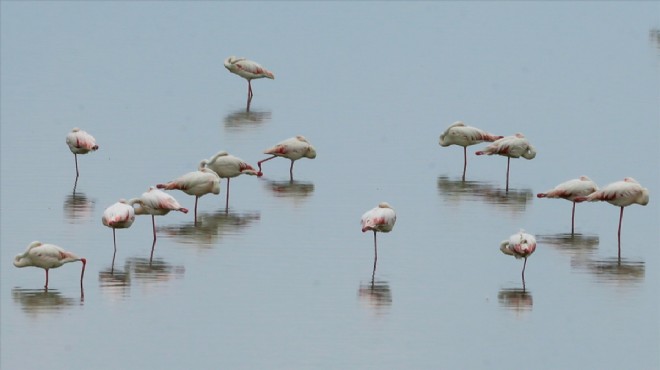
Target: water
(285, 279)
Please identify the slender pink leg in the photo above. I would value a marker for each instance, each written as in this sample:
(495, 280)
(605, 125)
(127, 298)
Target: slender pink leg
(508, 161)
(227, 198)
(196, 199)
(523, 271)
(262, 161)
(291, 171)
(75, 156)
(375, 250)
(114, 241)
(619, 233)
(153, 223)
(46, 286)
(464, 161)
(573, 220)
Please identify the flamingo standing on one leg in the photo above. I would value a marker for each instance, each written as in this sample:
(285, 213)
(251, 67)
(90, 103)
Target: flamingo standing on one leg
(227, 166)
(519, 245)
(249, 70)
(511, 147)
(460, 134)
(118, 216)
(622, 194)
(570, 190)
(47, 256)
(155, 202)
(80, 142)
(293, 148)
(381, 218)
(198, 183)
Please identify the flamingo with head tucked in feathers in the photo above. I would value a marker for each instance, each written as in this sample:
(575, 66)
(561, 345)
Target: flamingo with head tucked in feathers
(622, 194)
(80, 142)
(570, 190)
(118, 216)
(247, 69)
(155, 202)
(460, 134)
(519, 245)
(293, 148)
(515, 146)
(197, 183)
(379, 219)
(47, 256)
(227, 166)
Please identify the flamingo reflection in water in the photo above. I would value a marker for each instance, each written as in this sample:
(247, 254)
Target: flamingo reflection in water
(621, 194)
(515, 146)
(48, 256)
(519, 245)
(212, 226)
(78, 207)
(516, 299)
(456, 191)
(460, 134)
(35, 301)
(571, 190)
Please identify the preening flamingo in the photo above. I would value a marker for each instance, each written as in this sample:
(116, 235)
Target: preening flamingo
(570, 190)
(247, 69)
(519, 245)
(80, 142)
(155, 202)
(621, 194)
(379, 219)
(293, 148)
(227, 166)
(198, 183)
(118, 216)
(515, 146)
(460, 134)
(47, 256)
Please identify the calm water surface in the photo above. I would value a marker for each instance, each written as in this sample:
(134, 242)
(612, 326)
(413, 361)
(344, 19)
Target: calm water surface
(284, 279)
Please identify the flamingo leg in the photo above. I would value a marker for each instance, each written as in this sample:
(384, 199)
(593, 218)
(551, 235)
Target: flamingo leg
(291, 171)
(619, 233)
(573, 220)
(196, 199)
(227, 197)
(464, 161)
(46, 286)
(264, 160)
(114, 241)
(75, 157)
(250, 90)
(508, 161)
(523, 272)
(153, 223)
(375, 251)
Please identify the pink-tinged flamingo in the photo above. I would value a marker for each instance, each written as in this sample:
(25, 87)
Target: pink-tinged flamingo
(570, 190)
(198, 183)
(511, 147)
(47, 256)
(621, 194)
(460, 134)
(227, 166)
(249, 70)
(293, 148)
(519, 245)
(379, 219)
(155, 202)
(80, 142)
(118, 216)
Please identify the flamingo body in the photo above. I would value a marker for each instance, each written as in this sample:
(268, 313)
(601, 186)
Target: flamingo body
(227, 166)
(249, 70)
(381, 218)
(620, 193)
(119, 215)
(293, 148)
(197, 183)
(515, 146)
(47, 256)
(156, 203)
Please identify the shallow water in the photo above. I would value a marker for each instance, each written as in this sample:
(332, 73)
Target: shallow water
(284, 279)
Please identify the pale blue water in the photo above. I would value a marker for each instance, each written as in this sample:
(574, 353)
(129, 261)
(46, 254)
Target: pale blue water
(283, 280)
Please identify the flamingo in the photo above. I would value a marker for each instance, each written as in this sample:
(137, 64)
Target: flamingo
(519, 245)
(198, 183)
(227, 166)
(293, 148)
(515, 146)
(118, 216)
(379, 219)
(247, 69)
(622, 194)
(80, 142)
(155, 202)
(570, 190)
(460, 134)
(47, 256)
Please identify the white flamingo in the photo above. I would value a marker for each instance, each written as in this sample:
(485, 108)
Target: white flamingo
(519, 245)
(460, 134)
(247, 69)
(155, 202)
(47, 256)
(293, 148)
(570, 190)
(80, 142)
(379, 219)
(515, 146)
(621, 194)
(197, 183)
(227, 166)
(120, 215)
